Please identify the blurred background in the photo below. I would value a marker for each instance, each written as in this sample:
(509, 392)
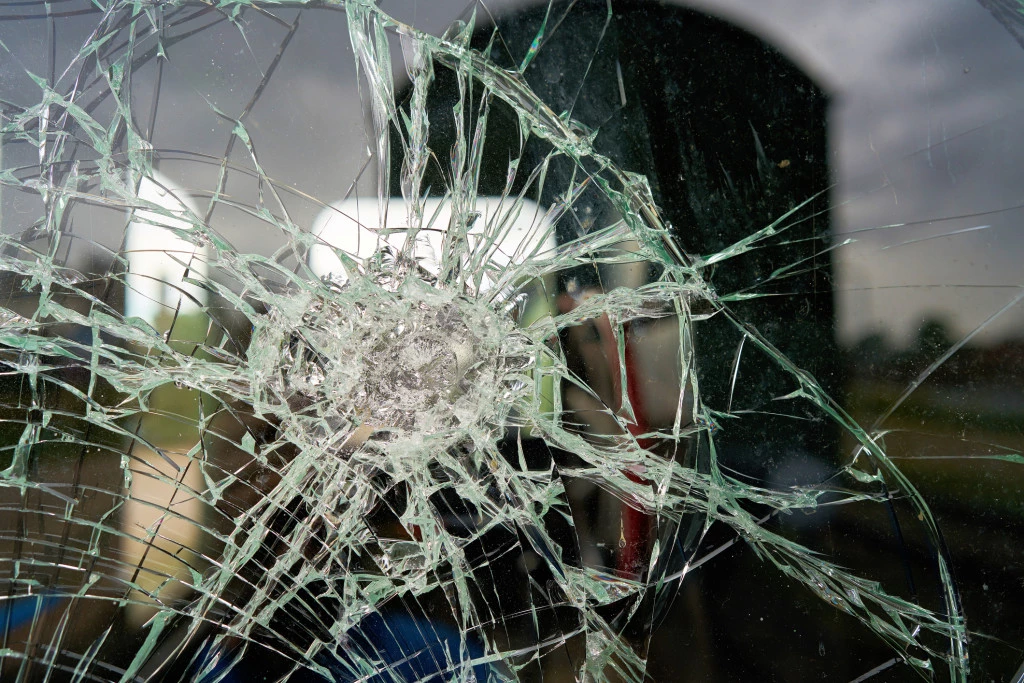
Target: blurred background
(888, 137)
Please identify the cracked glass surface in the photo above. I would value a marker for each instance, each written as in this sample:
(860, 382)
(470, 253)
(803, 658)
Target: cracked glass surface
(580, 341)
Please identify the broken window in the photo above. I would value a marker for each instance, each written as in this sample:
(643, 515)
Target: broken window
(568, 341)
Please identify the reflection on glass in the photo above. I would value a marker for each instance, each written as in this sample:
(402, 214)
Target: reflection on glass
(561, 341)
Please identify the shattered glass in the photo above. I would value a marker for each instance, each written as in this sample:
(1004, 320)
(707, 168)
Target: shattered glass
(567, 341)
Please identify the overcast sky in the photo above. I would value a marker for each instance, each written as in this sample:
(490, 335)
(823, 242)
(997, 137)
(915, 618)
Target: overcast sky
(926, 124)
(926, 127)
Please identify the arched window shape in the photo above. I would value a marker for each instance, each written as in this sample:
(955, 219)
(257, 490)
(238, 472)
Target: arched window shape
(732, 136)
